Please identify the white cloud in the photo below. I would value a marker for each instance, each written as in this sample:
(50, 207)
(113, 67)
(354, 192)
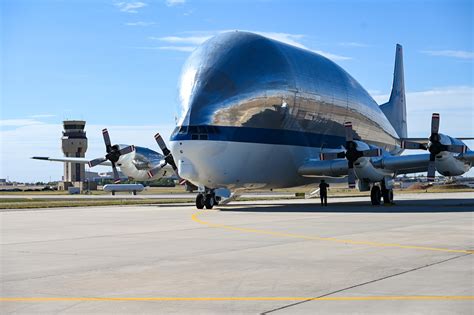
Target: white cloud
(331, 56)
(19, 122)
(171, 3)
(186, 40)
(174, 48)
(290, 39)
(178, 48)
(40, 139)
(130, 7)
(140, 23)
(43, 116)
(460, 54)
(375, 93)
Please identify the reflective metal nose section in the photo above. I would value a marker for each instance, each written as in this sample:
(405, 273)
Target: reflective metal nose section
(228, 71)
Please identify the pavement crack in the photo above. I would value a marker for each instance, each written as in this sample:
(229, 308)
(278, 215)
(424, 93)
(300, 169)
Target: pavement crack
(363, 283)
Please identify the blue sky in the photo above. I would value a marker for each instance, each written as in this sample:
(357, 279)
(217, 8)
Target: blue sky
(117, 64)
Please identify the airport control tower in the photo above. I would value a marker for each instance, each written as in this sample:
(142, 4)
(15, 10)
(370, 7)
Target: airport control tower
(74, 144)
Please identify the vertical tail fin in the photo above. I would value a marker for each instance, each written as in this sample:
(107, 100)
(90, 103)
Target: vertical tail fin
(395, 109)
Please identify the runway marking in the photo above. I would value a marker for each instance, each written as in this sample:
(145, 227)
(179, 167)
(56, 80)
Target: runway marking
(267, 298)
(329, 239)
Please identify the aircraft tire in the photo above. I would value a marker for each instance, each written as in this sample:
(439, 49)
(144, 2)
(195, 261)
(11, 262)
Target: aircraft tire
(387, 196)
(200, 201)
(209, 201)
(375, 195)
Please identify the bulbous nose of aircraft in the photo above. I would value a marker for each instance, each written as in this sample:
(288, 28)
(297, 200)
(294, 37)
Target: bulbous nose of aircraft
(225, 71)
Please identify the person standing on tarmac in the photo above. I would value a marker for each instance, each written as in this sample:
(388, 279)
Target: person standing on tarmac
(323, 192)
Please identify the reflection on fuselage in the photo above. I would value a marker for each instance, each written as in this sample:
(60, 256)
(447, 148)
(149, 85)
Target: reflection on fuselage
(145, 158)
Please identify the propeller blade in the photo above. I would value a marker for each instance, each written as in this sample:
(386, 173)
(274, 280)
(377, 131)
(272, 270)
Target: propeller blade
(97, 161)
(412, 145)
(434, 123)
(161, 144)
(127, 150)
(432, 168)
(167, 153)
(108, 144)
(351, 177)
(169, 159)
(151, 173)
(372, 152)
(348, 128)
(116, 174)
(456, 148)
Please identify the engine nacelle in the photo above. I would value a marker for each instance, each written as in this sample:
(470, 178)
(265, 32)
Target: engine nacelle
(448, 165)
(365, 171)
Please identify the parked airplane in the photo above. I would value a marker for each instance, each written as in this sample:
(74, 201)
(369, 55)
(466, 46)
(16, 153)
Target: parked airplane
(134, 161)
(258, 113)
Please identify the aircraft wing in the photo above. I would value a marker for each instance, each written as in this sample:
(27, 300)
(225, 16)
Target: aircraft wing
(68, 159)
(404, 164)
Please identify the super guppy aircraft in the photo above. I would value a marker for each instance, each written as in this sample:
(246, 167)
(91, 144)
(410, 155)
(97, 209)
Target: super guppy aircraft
(258, 113)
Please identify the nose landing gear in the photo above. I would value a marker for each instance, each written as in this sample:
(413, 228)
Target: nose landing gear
(206, 199)
(200, 201)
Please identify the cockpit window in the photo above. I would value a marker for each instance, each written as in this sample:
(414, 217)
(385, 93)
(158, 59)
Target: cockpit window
(201, 132)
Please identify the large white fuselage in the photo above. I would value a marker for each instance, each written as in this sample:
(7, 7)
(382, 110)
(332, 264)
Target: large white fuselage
(241, 165)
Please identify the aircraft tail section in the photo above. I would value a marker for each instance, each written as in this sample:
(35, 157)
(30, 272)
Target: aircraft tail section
(395, 109)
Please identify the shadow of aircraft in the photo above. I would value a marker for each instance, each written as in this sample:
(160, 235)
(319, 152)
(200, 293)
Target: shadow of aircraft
(400, 206)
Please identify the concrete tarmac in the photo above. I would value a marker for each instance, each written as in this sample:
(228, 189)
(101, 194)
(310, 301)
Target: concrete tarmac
(271, 257)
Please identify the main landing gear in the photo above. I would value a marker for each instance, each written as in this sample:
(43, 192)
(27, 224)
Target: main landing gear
(377, 193)
(206, 199)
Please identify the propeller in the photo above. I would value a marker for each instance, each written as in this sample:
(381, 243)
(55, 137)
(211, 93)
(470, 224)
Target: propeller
(168, 158)
(434, 146)
(113, 153)
(351, 154)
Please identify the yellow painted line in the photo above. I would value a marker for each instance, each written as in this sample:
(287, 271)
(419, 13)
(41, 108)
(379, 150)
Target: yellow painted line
(329, 239)
(295, 298)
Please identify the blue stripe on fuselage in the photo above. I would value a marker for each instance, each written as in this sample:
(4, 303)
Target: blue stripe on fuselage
(262, 135)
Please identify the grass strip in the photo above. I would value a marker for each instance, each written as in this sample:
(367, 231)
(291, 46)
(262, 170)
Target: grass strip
(42, 203)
